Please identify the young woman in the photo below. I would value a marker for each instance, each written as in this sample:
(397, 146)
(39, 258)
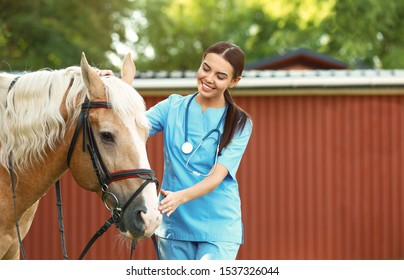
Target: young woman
(205, 136)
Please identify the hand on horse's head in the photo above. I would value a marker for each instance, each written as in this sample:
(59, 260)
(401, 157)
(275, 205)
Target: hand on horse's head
(102, 73)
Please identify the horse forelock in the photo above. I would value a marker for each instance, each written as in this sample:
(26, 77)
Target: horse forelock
(32, 122)
(126, 102)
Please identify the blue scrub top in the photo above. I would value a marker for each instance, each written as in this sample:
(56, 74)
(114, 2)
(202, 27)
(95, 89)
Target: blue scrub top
(215, 216)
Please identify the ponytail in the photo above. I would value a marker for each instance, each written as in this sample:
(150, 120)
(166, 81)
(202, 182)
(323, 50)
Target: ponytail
(234, 122)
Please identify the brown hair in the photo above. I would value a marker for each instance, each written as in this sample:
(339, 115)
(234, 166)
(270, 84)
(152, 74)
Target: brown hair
(236, 118)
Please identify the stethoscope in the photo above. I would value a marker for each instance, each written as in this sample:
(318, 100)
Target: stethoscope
(188, 148)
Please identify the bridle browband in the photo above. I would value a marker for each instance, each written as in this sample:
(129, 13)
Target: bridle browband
(104, 176)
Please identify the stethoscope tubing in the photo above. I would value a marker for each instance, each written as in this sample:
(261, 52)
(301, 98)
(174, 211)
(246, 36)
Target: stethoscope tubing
(197, 148)
(187, 147)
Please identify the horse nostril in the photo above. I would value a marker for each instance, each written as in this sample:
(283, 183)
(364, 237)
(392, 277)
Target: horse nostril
(139, 216)
(141, 221)
(141, 210)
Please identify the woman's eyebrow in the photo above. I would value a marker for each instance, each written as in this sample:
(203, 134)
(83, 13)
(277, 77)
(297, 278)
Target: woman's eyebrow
(221, 73)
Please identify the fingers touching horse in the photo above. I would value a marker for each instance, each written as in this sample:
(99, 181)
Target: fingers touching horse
(52, 121)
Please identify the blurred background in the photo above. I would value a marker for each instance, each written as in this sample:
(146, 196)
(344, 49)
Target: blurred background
(324, 84)
(171, 34)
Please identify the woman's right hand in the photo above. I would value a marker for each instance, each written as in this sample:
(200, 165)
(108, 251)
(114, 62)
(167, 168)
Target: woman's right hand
(171, 201)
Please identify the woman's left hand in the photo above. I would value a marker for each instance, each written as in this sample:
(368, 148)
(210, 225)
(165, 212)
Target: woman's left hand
(104, 72)
(171, 201)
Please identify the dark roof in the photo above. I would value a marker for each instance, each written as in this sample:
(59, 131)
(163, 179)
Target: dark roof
(298, 57)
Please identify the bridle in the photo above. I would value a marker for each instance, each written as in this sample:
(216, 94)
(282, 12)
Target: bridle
(105, 177)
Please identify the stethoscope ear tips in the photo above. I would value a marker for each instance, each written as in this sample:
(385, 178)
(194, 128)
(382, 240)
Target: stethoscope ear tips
(187, 148)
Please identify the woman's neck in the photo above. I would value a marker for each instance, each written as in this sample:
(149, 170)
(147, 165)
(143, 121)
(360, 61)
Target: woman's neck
(214, 102)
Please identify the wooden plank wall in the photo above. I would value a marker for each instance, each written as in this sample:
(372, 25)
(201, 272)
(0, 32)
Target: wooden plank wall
(322, 179)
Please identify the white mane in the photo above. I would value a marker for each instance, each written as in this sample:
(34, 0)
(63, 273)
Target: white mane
(30, 113)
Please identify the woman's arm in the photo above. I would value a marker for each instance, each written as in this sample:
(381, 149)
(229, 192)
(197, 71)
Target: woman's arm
(174, 199)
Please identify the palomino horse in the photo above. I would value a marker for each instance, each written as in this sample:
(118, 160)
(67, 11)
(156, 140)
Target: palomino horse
(52, 121)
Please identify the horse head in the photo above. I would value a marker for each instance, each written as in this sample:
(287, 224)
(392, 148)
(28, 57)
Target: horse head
(112, 161)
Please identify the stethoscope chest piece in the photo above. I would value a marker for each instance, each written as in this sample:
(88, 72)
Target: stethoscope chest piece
(187, 147)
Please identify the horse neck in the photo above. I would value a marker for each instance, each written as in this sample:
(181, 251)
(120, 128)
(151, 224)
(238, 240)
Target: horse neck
(35, 181)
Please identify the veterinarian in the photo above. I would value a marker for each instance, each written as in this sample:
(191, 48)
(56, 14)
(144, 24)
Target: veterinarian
(205, 136)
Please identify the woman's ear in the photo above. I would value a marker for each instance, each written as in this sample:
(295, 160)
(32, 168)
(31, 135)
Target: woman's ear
(234, 82)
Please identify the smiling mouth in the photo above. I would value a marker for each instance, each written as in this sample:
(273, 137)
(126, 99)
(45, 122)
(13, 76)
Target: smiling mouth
(206, 87)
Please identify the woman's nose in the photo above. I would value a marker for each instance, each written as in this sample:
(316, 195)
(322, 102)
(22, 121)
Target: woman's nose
(210, 78)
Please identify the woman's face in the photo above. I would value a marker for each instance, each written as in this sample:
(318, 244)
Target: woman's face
(214, 76)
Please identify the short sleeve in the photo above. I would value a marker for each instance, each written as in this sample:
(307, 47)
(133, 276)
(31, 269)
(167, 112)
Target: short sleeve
(231, 155)
(157, 115)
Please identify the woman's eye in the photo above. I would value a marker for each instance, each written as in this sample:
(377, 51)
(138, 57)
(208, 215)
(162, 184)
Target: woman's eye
(107, 137)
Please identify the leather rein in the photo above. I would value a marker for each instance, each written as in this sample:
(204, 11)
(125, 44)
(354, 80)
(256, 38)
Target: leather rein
(104, 178)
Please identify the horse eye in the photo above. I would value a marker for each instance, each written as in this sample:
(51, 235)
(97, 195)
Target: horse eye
(107, 136)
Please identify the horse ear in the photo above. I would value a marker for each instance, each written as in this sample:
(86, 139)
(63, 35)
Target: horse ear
(92, 80)
(128, 70)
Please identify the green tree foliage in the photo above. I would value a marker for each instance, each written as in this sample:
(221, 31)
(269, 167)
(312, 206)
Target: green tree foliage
(172, 34)
(178, 31)
(364, 33)
(367, 32)
(51, 33)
